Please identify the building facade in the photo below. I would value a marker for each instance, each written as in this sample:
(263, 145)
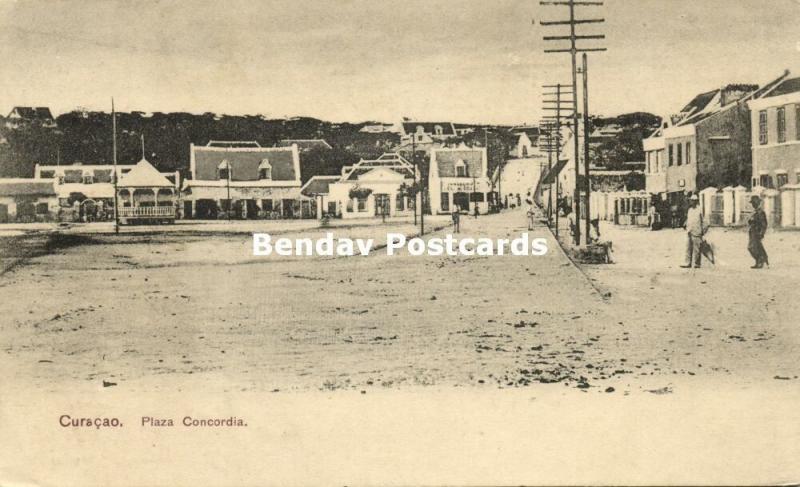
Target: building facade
(243, 180)
(705, 145)
(459, 178)
(27, 200)
(374, 188)
(775, 122)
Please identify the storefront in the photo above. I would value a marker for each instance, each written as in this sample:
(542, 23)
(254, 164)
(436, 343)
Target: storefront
(459, 179)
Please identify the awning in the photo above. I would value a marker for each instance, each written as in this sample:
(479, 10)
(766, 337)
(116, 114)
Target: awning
(552, 174)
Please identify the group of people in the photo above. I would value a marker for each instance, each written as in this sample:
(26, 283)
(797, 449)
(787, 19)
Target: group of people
(696, 228)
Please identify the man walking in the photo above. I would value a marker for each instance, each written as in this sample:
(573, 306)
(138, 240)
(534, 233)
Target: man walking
(756, 231)
(695, 229)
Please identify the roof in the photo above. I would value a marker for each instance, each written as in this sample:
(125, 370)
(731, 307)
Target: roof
(429, 127)
(318, 185)
(144, 175)
(244, 162)
(26, 187)
(33, 113)
(305, 144)
(552, 174)
(785, 87)
(389, 160)
(529, 131)
(445, 160)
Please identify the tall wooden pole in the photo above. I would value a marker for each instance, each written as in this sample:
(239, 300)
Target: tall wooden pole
(586, 142)
(576, 146)
(114, 156)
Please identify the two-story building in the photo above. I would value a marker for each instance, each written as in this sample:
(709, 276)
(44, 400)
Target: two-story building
(243, 180)
(775, 121)
(706, 144)
(459, 177)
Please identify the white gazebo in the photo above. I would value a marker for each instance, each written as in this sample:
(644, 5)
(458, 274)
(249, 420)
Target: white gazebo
(144, 194)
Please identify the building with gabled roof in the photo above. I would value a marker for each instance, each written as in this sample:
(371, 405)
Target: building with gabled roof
(27, 199)
(706, 144)
(305, 145)
(243, 180)
(374, 188)
(22, 115)
(425, 132)
(459, 178)
(318, 187)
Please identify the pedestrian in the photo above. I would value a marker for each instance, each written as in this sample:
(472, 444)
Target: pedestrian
(530, 213)
(757, 230)
(519, 200)
(651, 215)
(695, 229)
(505, 204)
(456, 215)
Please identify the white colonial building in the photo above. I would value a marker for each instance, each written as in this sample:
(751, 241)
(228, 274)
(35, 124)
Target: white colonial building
(244, 180)
(374, 188)
(459, 177)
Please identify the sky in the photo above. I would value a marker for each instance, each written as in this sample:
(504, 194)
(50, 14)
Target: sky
(470, 61)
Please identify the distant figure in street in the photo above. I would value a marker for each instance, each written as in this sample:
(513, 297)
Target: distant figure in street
(651, 216)
(695, 229)
(530, 213)
(456, 215)
(758, 227)
(519, 200)
(505, 203)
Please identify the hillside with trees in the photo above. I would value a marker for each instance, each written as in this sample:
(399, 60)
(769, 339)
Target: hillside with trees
(626, 146)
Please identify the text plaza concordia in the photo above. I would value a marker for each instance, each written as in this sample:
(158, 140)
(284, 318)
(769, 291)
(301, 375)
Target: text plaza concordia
(264, 245)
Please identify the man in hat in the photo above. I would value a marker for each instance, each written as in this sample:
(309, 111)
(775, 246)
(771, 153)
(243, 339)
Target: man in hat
(695, 229)
(758, 227)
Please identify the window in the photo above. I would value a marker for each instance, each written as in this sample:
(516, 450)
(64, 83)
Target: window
(265, 169)
(461, 169)
(362, 204)
(781, 180)
(399, 202)
(477, 197)
(670, 155)
(266, 205)
(688, 153)
(224, 170)
(763, 138)
(88, 179)
(797, 122)
(797, 177)
(765, 181)
(445, 201)
(41, 208)
(680, 154)
(781, 125)
(47, 174)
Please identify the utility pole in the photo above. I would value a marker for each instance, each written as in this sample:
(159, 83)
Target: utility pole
(553, 142)
(585, 72)
(573, 50)
(114, 150)
(143, 146)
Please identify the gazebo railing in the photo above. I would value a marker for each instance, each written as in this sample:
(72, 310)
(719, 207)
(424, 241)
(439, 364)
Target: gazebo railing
(147, 212)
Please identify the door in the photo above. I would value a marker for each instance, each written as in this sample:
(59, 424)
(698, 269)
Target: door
(381, 204)
(461, 200)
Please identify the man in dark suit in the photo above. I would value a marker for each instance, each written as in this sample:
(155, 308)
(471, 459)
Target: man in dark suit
(756, 232)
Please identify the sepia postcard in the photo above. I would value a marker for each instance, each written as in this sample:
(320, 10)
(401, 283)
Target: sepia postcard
(384, 243)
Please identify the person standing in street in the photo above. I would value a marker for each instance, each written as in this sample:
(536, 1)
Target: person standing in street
(456, 215)
(530, 213)
(757, 230)
(695, 229)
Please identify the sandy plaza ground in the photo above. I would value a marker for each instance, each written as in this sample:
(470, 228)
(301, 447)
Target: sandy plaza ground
(196, 310)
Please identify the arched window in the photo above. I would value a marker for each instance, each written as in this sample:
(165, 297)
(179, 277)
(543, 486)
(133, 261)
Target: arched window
(265, 169)
(438, 130)
(224, 170)
(461, 169)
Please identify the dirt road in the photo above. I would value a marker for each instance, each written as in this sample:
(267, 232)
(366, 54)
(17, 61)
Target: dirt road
(201, 313)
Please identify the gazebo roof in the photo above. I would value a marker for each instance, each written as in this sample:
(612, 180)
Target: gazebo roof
(144, 175)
